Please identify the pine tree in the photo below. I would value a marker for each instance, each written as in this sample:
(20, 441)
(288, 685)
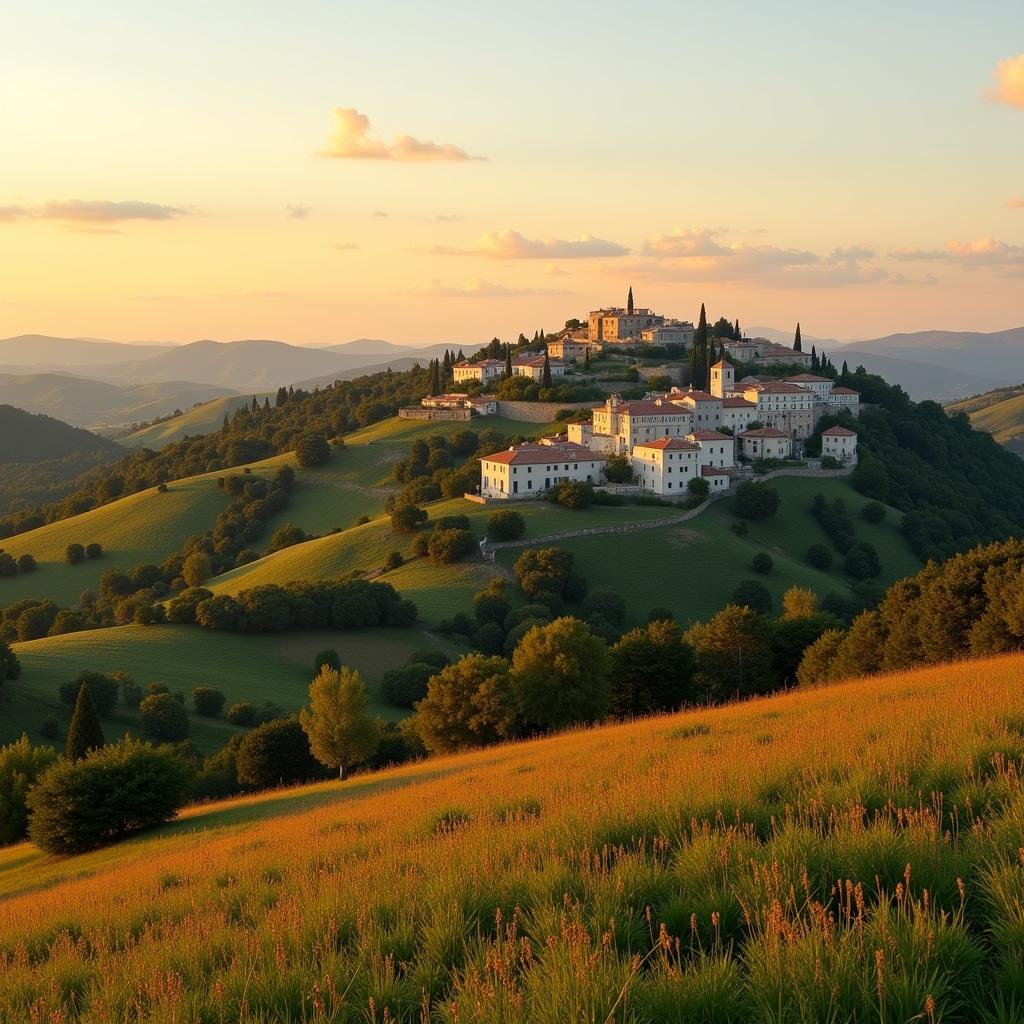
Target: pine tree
(508, 362)
(255, 405)
(435, 377)
(797, 344)
(545, 380)
(85, 732)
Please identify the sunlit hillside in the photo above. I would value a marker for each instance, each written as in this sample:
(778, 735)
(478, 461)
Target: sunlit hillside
(202, 419)
(850, 853)
(1000, 412)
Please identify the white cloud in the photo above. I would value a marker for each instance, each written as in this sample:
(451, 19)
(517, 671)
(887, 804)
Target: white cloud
(511, 245)
(1009, 82)
(1006, 258)
(92, 211)
(477, 288)
(350, 141)
(297, 211)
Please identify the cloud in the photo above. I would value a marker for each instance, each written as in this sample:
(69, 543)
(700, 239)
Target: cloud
(380, 214)
(350, 141)
(344, 246)
(851, 254)
(1009, 82)
(1013, 203)
(446, 218)
(684, 242)
(297, 211)
(92, 211)
(511, 245)
(1004, 257)
(476, 288)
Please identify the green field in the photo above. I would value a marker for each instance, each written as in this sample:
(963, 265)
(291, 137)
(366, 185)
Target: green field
(694, 567)
(202, 419)
(245, 667)
(149, 526)
(144, 527)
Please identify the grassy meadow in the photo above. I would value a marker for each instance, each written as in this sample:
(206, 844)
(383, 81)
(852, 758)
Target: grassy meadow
(693, 568)
(201, 419)
(275, 667)
(844, 854)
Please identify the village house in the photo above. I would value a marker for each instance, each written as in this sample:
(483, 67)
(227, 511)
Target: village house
(482, 405)
(765, 443)
(616, 324)
(671, 332)
(485, 370)
(666, 466)
(571, 350)
(533, 367)
(764, 352)
(617, 426)
(840, 443)
(527, 470)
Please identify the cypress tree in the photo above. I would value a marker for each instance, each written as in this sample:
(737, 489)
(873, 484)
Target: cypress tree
(545, 380)
(435, 377)
(446, 366)
(508, 362)
(815, 365)
(699, 360)
(844, 376)
(460, 358)
(282, 397)
(736, 330)
(797, 344)
(85, 732)
(586, 359)
(255, 404)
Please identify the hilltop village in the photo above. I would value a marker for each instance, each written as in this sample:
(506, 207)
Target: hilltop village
(694, 437)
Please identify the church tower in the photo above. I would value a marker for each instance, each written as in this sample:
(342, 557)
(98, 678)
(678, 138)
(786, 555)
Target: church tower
(629, 302)
(723, 378)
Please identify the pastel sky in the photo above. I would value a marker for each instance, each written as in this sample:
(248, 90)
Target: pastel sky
(323, 171)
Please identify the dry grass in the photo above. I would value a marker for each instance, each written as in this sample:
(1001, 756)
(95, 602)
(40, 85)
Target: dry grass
(852, 853)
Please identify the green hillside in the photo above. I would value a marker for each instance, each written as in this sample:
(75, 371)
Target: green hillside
(202, 419)
(694, 567)
(254, 668)
(149, 526)
(33, 437)
(144, 527)
(1000, 413)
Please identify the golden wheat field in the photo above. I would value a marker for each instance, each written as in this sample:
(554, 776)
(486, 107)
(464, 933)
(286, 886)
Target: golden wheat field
(854, 853)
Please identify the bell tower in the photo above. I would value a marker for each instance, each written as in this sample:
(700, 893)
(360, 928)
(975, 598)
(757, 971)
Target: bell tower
(723, 378)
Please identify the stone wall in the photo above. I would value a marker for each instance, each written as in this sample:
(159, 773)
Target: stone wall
(537, 412)
(416, 412)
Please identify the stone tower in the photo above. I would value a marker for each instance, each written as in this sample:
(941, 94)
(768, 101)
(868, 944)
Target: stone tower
(723, 378)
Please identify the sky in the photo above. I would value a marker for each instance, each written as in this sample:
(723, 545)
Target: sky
(323, 171)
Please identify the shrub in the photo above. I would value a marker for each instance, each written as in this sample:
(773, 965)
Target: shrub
(830, 462)
(362, 520)
(420, 543)
(104, 691)
(618, 469)
(93, 550)
(329, 657)
(312, 449)
(573, 494)
(819, 556)
(119, 789)
(753, 595)
(447, 546)
(242, 713)
(10, 667)
(49, 729)
(407, 518)
(404, 687)
(873, 512)
(276, 753)
(394, 560)
(26, 563)
(698, 487)
(756, 501)
(74, 554)
(285, 537)
(164, 718)
(862, 561)
(21, 765)
(505, 524)
(762, 563)
(8, 566)
(181, 610)
(207, 701)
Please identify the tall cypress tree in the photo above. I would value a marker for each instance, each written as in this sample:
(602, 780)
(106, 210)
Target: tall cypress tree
(815, 365)
(435, 377)
(508, 362)
(255, 404)
(85, 732)
(845, 375)
(545, 379)
(700, 362)
(797, 344)
(736, 330)
(446, 366)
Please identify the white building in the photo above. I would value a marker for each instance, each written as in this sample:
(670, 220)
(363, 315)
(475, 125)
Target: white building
(534, 368)
(845, 398)
(483, 371)
(666, 466)
(626, 424)
(738, 414)
(672, 332)
(784, 406)
(840, 443)
(765, 352)
(718, 450)
(528, 470)
(765, 443)
(570, 350)
(820, 387)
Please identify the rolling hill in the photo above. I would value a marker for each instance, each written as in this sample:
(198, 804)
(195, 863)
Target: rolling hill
(1000, 413)
(275, 668)
(99, 405)
(849, 853)
(42, 351)
(201, 419)
(32, 437)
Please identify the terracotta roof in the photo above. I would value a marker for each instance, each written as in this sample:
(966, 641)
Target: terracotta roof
(694, 394)
(482, 399)
(737, 403)
(713, 471)
(483, 362)
(844, 391)
(673, 443)
(779, 387)
(545, 454)
(838, 431)
(764, 432)
(723, 363)
(809, 377)
(536, 361)
(710, 435)
(655, 408)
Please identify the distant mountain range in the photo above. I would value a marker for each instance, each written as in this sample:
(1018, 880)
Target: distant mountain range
(26, 437)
